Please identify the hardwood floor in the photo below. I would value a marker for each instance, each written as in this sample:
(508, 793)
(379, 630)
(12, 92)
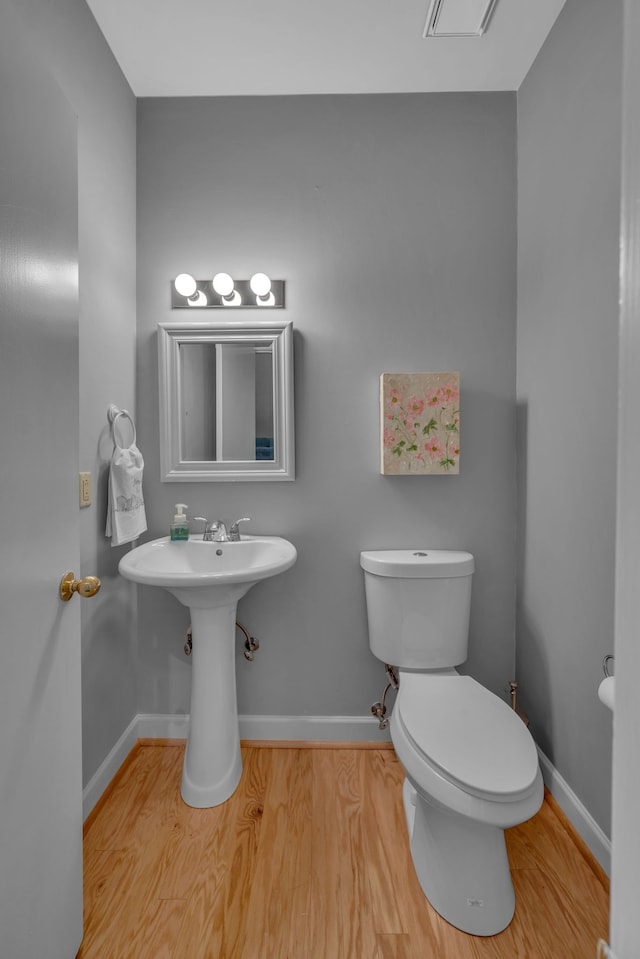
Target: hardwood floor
(309, 859)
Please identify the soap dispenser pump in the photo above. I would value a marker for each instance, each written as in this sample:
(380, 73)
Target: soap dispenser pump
(180, 526)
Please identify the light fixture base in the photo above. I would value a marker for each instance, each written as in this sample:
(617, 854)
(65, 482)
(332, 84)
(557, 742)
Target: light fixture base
(205, 297)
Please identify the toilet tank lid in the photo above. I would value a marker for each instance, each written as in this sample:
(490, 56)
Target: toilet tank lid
(417, 563)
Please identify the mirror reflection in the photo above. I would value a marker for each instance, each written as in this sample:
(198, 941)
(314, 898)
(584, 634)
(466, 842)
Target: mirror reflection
(226, 401)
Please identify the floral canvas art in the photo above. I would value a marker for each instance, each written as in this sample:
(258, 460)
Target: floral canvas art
(420, 423)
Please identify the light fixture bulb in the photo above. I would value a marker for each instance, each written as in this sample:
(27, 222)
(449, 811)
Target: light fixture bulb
(185, 284)
(260, 284)
(199, 299)
(223, 284)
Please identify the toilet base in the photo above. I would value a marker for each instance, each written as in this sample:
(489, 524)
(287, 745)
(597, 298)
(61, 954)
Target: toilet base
(462, 866)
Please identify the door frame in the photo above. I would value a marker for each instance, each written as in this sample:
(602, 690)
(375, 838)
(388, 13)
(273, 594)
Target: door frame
(625, 879)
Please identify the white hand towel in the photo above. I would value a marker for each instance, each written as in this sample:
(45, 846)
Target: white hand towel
(606, 691)
(126, 518)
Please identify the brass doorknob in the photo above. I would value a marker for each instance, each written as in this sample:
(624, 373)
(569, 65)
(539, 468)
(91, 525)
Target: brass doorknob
(69, 585)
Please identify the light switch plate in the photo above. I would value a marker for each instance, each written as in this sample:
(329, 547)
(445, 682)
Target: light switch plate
(85, 489)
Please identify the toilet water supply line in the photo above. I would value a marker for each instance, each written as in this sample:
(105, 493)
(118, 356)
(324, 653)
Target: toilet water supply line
(379, 710)
(250, 643)
(513, 692)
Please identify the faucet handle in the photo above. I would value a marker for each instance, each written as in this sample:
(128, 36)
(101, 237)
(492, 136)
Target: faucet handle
(234, 532)
(202, 519)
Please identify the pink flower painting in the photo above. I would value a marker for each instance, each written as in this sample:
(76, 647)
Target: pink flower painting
(420, 423)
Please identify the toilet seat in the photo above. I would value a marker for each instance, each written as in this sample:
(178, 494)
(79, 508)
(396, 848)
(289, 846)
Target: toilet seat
(467, 735)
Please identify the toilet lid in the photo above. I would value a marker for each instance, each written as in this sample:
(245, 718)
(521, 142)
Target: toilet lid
(468, 734)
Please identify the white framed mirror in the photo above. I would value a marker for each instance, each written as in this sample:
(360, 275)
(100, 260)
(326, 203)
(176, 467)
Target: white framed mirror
(226, 401)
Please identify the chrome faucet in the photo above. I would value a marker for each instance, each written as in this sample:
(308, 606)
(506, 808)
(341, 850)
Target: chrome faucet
(216, 531)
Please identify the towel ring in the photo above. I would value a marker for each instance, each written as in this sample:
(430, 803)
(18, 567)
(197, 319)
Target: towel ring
(609, 658)
(114, 415)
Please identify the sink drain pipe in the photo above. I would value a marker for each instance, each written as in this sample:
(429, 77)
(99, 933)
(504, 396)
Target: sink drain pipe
(250, 642)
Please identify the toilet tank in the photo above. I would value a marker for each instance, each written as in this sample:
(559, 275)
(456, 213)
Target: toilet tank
(418, 604)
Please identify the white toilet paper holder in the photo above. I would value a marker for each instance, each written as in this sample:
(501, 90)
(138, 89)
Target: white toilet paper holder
(609, 658)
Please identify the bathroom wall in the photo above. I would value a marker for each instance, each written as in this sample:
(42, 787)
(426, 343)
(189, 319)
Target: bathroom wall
(569, 136)
(393, 221)
(79, 60)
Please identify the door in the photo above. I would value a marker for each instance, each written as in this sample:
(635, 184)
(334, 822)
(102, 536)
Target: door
(40, 737)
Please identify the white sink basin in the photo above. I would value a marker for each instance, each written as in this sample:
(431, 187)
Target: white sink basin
(206, 573)
(210, 578)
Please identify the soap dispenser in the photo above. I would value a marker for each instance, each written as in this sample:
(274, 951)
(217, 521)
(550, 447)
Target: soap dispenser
(180, 526)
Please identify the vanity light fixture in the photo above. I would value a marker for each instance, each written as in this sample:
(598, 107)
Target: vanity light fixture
(224, 291)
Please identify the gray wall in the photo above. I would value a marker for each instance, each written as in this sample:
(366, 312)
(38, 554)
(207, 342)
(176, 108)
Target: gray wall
(74, 51)
(569, 138)
(393, 221)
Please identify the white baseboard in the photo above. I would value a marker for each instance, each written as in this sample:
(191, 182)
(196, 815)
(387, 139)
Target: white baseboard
(174, 726)
(162, 725)
(579, 817)
(109, 767)
(313, 728)
(303, 728)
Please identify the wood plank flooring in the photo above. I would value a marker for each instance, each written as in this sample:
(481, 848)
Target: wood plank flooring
(309, 859)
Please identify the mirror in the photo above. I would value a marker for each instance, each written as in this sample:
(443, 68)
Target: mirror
(226, 401)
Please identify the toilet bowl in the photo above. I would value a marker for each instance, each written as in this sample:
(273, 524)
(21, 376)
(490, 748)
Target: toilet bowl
(472, 771)
(471, 764)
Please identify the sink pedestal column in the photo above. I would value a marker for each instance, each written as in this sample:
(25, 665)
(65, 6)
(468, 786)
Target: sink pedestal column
(212, 763)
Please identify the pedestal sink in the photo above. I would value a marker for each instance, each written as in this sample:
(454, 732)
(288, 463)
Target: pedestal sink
(210, 578)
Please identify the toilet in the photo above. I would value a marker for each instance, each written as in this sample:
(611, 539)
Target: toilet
(470, 762)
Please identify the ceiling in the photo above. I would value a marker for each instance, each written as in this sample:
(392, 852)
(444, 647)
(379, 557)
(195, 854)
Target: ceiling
(250, 47)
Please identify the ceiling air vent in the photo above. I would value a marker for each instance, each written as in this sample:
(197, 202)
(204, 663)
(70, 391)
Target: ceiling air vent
(458, 18)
